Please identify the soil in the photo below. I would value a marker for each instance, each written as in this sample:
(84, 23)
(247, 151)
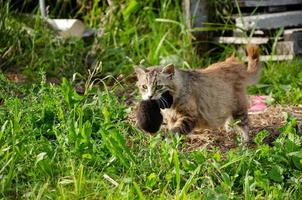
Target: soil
(271, 119)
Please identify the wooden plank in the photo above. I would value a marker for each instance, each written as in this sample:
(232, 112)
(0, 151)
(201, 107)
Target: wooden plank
(241, 40)
(274, 58)
(270, 21)
(293, 42)
(297, 40)
(196, 12)
(187, 12)
(263, 3)
(285, 48)
(291, 31)
(240, 33)
(272, 9)
(287, 34)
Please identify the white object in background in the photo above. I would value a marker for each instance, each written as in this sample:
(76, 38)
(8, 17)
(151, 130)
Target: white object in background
(42, 8)
(67, 27)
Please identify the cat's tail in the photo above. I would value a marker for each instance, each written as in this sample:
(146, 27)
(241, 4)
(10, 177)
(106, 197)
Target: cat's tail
(253, 66)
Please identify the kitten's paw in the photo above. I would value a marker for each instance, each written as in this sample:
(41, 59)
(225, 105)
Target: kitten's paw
(177, 130)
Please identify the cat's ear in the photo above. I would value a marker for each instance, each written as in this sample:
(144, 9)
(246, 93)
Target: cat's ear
(169, 70)
(139, 71)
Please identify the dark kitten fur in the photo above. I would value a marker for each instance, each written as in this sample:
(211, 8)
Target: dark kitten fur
(148, 113)
(148, 116)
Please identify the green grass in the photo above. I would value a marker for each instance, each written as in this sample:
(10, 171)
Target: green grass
(128, 36)
(57, 144)
(282, 80)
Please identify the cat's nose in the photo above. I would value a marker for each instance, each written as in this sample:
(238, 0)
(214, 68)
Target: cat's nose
(150, 96)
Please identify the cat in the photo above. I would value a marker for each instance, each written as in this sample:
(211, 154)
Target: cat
(203, 98)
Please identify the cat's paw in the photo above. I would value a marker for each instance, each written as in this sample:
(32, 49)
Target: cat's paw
(229, 125)
(228, 128)
(179, 130)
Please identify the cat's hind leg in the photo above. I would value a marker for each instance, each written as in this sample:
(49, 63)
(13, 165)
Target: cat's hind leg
(242, 126)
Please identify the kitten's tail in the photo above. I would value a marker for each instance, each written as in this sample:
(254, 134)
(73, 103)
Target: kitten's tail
(253, 66)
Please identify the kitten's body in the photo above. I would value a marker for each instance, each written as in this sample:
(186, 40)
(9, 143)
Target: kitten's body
(205, 98)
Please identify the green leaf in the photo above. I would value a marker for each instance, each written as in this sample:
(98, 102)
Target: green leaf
(106, 114)
(86, 132)
(275, 173)
(260, 137)
(131, 8)
(152, 179)
(290, 146)
(189, 182)
(138, 191)
(87, 156)
(296, 154)
(40, 157)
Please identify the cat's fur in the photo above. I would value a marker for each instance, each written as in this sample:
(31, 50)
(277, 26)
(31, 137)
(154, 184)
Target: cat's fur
(203, 98)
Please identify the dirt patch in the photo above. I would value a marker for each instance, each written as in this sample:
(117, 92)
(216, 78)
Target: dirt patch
(271, 120)
(16, 77)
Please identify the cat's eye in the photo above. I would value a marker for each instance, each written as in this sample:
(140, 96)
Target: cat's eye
(144, 87)
(159, 87)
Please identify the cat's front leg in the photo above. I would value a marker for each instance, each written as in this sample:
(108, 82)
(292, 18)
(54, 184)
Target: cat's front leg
(243, 125)
(184, 125)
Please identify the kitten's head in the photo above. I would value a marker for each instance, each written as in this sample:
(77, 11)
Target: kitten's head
(154, 81)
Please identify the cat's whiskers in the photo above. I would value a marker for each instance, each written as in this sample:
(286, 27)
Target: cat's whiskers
(166, 104)
(161, 101)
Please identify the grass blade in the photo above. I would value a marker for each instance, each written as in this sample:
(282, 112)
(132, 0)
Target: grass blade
(160, 43)
(138, 191)
(188, 184)
(177, 173)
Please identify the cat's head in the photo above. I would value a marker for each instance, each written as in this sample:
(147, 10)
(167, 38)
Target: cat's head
(154, 81)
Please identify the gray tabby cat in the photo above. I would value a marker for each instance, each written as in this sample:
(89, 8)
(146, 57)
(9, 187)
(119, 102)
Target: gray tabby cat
(203, 98)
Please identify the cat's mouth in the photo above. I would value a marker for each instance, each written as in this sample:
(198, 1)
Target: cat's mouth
(165, 100)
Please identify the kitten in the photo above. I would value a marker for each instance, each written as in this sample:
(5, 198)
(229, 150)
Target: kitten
(203, 98)
(148, 116)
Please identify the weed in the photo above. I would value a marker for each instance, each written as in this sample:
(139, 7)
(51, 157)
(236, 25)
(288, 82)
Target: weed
(57, 144)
